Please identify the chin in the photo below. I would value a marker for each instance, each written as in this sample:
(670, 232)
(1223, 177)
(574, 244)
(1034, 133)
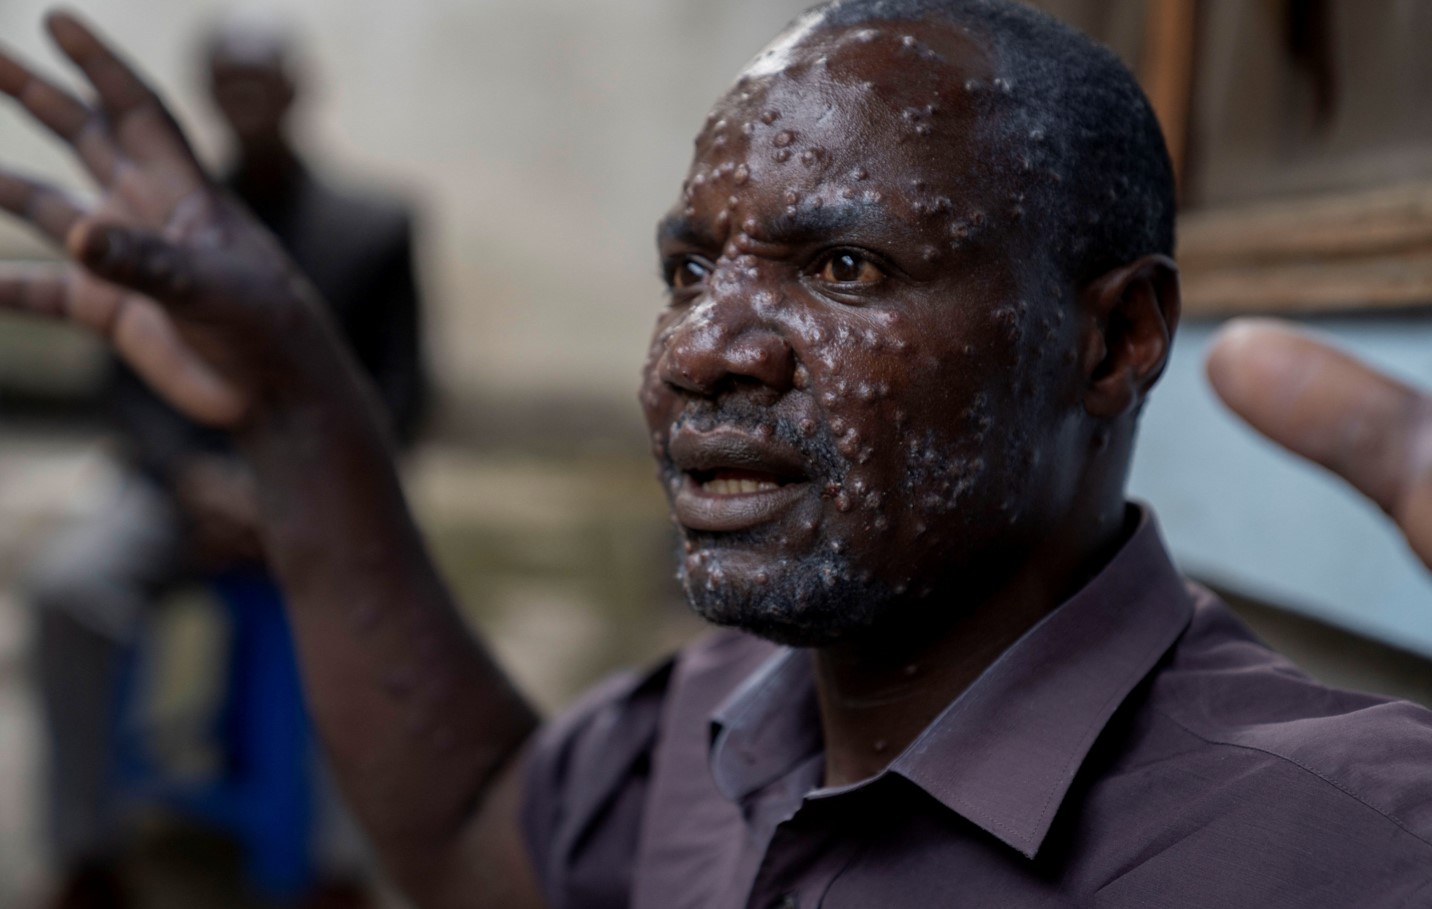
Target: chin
(813, 602)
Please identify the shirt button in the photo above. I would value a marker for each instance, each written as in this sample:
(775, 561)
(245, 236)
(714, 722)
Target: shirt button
(789, 901)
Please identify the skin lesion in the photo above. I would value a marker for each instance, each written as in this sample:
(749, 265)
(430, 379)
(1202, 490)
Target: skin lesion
(897, 291)
(841, 393)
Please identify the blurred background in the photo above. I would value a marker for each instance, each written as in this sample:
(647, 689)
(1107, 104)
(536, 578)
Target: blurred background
(538, 142)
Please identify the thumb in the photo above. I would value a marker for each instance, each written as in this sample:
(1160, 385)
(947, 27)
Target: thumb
(157, 278)
(1330, 408)
(137, 259)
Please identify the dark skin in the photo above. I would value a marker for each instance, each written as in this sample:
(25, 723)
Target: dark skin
(764, 326)
(1368, 428)
(977, 509)
(422, 727)
(254, 94)
(221, 509)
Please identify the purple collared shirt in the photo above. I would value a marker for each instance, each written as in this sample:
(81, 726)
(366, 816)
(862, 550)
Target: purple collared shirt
(1137, 748)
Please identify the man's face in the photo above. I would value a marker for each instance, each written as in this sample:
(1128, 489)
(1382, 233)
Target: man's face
(253, 96)
(861, 385)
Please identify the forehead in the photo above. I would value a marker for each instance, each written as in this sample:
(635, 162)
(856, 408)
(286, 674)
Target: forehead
(904, 99)
(246, 50)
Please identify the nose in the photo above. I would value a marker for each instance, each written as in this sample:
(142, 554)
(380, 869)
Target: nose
(722, 341)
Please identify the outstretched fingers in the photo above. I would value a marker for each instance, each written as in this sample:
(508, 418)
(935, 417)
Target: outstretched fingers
(1318, 402)
(138, 260)
(137, 117)
(40, 289)
(74, 122)
(138, 328)
(128, 281)
(43, 207)
(147, 339)
(59, 290)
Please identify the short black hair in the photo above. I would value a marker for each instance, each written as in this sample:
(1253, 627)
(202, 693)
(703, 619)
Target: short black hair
(1078, 138)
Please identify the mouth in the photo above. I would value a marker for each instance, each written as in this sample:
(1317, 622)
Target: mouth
(728, 482)
(733, 480)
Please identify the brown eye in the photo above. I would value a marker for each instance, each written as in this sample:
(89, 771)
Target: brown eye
(688, 272)
(850, 268)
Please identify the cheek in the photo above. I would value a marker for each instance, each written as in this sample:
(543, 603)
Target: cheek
(913, 419)
(857, 373)
(976, 449)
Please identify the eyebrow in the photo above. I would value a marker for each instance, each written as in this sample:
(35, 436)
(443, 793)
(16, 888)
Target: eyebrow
(807, 222)
(681, 229)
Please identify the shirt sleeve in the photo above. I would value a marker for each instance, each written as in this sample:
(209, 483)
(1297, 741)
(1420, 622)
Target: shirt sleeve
(586, 790)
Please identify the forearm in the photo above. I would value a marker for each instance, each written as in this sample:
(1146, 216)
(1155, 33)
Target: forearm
(201, 303)
(415, 714)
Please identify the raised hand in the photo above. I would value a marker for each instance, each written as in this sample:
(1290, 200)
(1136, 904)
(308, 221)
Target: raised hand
(1322, 404)
(188, 289)
(200, 301)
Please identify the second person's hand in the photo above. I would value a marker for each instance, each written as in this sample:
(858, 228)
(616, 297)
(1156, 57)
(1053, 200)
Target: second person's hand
(1318, 402)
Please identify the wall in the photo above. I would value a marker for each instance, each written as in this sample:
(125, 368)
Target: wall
(543, 138)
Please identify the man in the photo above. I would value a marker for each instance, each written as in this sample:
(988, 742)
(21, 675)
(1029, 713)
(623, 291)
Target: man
(920, 288)
(186, 508)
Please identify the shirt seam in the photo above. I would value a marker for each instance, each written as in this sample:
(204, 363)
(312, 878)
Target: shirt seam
(1396, 821)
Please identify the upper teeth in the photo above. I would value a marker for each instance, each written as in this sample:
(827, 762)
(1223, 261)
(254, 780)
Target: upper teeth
(725, 487)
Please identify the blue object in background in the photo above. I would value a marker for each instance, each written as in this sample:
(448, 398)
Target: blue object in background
(1242, 513)
(263, 796)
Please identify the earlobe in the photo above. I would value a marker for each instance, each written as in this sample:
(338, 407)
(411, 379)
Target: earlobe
(1132, 313)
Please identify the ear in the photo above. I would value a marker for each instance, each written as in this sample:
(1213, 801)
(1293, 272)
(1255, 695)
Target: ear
(1132, 312)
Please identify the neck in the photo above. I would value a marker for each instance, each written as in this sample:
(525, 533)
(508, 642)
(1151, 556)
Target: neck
(877, 694)
(264, 164)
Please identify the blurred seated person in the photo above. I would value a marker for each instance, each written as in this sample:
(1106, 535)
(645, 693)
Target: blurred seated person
(186, 508)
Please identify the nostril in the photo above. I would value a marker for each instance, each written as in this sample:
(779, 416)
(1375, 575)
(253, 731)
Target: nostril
(728, 345)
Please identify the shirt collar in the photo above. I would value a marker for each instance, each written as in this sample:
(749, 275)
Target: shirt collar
(766, 726)
(1004, 753)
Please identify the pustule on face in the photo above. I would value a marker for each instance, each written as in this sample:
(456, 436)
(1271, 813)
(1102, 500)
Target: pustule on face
(832, 388)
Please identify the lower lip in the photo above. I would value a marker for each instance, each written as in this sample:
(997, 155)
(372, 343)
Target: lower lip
(697, 509)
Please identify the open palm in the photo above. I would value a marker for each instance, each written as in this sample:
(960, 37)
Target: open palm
(190, 291)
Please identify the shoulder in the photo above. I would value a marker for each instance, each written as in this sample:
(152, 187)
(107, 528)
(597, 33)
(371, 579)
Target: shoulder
(588, 770)
(623, 711)
(1239, 780)
(1315, 751)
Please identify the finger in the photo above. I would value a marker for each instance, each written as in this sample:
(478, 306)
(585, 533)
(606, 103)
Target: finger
(1326, 406)
(1318, 402)
(36, 288)
(147, 339)
(82, 128)
(159, 276)
(139, 120)
(40, 205)
(135, 259)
